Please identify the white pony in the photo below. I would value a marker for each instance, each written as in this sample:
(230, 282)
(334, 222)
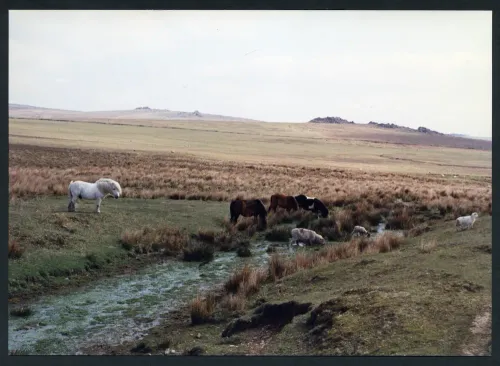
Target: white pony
(92, 191)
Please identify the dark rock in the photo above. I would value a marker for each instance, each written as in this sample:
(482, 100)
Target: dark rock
(324, 312)
(336, 120)
(195, 351)
(271, 249)
(322, 319)
(277, 315)
(236, 326)
(141, 348)
(243, 252)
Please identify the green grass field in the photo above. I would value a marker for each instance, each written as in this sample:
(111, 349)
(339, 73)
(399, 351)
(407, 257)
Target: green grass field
(406, 302)
(60, 244)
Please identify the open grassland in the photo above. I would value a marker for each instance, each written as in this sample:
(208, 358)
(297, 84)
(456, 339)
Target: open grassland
(413, 295)
(38, 170)
(360, 147)
(346, 299)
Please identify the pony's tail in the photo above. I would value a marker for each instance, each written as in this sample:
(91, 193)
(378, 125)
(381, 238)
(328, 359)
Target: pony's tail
(70, 195)
(231, 211)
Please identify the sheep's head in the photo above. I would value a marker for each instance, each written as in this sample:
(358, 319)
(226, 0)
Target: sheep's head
(474, 215)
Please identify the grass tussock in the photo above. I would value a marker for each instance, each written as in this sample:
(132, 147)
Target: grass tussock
(278, 233)
(22, 312)
(401, 219)
(387, 242)
(170, 240)
(278, 267)
(206, 236)
(196, 251)
(327, 228)
(284, 217)
(419, 230)
(427, 246)
(15, 251)
(234, 302)
(202, 309)
(246, 281)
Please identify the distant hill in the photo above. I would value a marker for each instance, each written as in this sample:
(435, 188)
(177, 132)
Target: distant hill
(139, 113)
(470, 137)
(419, 136)
(392, 125)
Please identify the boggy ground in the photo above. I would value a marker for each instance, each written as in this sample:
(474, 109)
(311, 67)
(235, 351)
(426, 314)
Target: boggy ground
(429, 296)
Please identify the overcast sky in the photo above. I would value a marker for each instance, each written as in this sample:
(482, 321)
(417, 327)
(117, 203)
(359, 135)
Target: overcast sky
(412, 68)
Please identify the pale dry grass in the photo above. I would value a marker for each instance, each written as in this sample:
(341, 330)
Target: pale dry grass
(427, 246)
(48, 171)
(148, 239)
(202, 308)
(357, 147)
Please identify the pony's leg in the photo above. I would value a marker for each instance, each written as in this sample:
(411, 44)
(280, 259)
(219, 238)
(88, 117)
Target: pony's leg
(98, 208)
(71, 204)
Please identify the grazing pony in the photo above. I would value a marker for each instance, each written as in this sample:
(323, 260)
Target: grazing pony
(247, 208)
(92, 191)
(286, 202)
(312, 204)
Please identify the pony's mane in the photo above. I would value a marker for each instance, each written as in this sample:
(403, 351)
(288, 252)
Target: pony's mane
(108, 182)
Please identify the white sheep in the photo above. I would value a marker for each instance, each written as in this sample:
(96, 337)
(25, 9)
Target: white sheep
(360, 230)
(306, 236)
(466, 221)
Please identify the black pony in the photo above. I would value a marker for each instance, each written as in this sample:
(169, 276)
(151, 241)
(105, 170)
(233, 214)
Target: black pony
(248, 208)
(312, 204)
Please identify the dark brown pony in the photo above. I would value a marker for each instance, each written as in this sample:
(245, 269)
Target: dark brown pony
(286, 202)
(247, 208)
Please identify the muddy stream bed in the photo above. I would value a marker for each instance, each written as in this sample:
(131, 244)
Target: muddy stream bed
(123, 308)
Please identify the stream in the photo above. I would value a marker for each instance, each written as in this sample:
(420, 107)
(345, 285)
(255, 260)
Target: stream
(123, 308)
(119, 309)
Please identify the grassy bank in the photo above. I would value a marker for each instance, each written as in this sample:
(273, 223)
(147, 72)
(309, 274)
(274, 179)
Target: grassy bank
(61, 249)
(419, 299)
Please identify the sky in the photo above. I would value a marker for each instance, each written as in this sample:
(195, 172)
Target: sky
(412, 68)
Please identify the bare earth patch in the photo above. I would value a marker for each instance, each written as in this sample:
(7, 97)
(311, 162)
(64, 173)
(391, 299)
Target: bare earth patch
(480, 345)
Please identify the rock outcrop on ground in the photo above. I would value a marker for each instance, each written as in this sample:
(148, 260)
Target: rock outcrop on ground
(277, 315)
(336, 120)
